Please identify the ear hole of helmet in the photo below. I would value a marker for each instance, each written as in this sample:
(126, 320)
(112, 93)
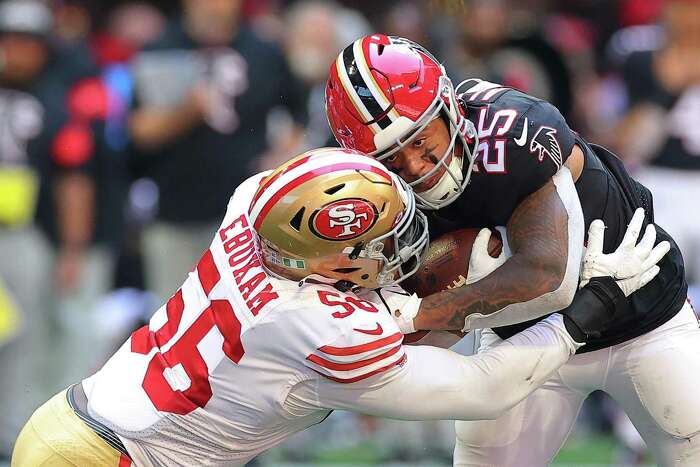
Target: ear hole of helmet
(345, 270)
(334, 189)
(296, 220)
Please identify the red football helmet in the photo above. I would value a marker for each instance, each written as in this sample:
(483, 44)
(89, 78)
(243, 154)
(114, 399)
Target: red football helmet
(382, 91)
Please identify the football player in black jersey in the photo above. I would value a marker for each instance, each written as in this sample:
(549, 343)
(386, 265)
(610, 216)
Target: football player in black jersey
(491, 155)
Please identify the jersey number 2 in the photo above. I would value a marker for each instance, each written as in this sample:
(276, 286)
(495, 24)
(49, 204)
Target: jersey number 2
(492, 143)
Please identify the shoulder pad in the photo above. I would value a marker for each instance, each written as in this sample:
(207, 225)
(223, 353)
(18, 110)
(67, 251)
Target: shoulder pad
(367, 340)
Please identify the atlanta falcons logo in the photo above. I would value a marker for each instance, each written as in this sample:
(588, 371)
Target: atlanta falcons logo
(545, 142)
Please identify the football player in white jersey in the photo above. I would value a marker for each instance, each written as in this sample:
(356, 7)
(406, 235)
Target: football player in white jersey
(279, 323)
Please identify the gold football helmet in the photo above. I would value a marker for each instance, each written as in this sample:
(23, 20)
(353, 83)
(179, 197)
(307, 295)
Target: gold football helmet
(339, 214)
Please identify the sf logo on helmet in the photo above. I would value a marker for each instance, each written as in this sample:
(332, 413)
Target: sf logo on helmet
(343, 219)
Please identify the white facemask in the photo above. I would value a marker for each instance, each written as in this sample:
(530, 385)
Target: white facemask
(449, 183)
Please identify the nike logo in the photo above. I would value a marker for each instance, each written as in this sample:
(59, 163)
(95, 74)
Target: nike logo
(372, 332)
(523, 136)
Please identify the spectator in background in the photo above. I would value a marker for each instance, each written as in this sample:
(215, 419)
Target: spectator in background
(203, 94)
(494, 47)
(314, 32)
(100, 99)
(660, 135)
(125, 30)
(46, 192)
(410, 19)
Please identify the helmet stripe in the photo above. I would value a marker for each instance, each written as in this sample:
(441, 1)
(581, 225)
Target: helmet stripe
(358, 74)
(352, 93)
(305, 177)
(361, 51)
(320, 158)
(270, 180)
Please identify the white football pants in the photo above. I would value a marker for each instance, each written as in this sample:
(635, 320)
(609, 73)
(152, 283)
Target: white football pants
(655, 378)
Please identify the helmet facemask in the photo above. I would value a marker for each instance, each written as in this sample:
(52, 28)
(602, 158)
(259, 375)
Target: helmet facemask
(406, 243)
(456, 176)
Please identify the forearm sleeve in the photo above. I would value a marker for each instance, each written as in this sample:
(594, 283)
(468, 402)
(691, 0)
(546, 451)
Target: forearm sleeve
(563, 295)
(439, 384)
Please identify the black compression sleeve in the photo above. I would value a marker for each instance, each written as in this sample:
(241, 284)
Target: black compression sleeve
(593, 308)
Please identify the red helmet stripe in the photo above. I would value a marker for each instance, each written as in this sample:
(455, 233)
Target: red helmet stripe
(270, 180)
(311, 175)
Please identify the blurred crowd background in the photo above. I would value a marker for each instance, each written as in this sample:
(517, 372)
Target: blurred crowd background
(126, 125)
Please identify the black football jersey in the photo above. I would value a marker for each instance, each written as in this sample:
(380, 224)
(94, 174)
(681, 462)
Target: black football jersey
(523, 142)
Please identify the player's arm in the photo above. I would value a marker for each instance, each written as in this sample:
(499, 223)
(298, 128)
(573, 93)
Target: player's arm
(436, 383)
(545, 234)
(486, 385)
(383, 377)
(619, 274)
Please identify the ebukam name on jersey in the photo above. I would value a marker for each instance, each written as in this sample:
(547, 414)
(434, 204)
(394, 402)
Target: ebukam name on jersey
(239, 244)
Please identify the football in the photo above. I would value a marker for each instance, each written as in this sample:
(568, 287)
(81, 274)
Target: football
(445, 266)
(446, 263)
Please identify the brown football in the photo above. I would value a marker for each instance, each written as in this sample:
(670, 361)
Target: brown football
(447, 262)
(445, 267)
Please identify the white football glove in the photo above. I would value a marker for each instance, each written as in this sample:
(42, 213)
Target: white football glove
(401, 305)
(632, 264)
(481, 263)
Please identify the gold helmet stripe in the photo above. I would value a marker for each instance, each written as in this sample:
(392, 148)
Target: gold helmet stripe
(270, 179)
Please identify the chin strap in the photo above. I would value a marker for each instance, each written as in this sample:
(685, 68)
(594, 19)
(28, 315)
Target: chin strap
(316, 279)
(446, 184)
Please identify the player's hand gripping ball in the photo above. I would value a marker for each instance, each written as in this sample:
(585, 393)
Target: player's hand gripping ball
(449, 264)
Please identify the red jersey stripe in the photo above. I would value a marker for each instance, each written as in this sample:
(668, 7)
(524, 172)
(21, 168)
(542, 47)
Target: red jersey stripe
(357, 349)
(124, 461)
(400, 361)
(352, 365)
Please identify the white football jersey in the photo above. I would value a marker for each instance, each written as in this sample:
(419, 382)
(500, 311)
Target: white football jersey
(238, 360)
(207, 381)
